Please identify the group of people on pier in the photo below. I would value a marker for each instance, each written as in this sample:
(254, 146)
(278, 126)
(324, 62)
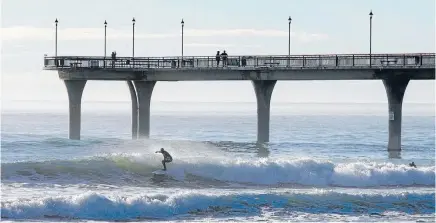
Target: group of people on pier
(218, 58)
(224, 57)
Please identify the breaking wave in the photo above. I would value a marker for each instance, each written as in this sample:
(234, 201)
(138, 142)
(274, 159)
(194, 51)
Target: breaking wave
(131, 169)
(107, 207)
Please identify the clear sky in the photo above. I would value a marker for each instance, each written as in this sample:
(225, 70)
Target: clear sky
(239, 27)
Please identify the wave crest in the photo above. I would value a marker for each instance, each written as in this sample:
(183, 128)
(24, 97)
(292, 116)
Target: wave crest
(131, 169)
(104, 207)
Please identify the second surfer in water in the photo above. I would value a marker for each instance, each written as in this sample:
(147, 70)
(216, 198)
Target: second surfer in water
(167, 157)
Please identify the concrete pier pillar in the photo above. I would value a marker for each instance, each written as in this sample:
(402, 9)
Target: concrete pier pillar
(263, 90)
(395, 88)
(75, 90)
(144, 90)
(134, 99)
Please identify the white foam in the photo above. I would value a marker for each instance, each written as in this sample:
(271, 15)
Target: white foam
(118, 207)
(311, 172)
(118, 167)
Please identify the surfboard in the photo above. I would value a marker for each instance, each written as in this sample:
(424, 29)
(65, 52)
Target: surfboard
(160, 172)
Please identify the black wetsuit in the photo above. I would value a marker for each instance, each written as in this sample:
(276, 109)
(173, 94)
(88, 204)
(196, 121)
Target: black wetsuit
(167, 158)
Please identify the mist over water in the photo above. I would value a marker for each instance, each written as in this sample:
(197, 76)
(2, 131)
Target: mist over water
(220, 108)
(325, 162)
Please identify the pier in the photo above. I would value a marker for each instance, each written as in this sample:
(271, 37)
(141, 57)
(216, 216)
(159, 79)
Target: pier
(142, 74)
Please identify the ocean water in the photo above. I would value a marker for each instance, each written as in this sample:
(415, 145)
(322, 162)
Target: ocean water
(325, 162)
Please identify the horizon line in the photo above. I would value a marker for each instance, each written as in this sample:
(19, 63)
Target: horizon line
(230, 102)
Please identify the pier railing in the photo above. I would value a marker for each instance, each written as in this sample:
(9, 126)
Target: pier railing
(358, 61)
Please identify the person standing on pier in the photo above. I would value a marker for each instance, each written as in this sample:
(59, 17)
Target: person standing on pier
(224, 55)
(114, 55)
(217, 58)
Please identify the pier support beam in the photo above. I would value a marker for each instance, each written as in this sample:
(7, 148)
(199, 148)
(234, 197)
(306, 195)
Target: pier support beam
(395, 88)
(263, 90)
(134, 99)
(144, 90)
(75, 90)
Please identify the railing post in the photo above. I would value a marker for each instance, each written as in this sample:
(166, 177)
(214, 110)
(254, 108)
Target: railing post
(421, 60)
(404, 60)
(353, 60)
(320, 61)
(304, 62)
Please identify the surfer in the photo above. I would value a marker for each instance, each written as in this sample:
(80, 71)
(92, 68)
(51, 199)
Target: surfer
(412, 164)
(167, 157)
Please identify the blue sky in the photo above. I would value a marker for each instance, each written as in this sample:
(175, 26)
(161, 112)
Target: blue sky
(239, 27)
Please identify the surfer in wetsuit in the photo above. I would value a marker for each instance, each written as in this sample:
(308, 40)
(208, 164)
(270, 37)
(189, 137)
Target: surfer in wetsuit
(412, 164)
(167, 157)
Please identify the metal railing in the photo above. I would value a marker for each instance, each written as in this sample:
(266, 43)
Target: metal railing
(419, 60)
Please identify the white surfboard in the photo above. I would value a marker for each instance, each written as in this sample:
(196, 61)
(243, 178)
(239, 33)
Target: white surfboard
(160, 172)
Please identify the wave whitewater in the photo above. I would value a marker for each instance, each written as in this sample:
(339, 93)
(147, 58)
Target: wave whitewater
(106, 207)
(131, 169)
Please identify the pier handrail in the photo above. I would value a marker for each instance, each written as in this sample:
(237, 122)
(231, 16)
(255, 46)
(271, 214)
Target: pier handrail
(326, 61)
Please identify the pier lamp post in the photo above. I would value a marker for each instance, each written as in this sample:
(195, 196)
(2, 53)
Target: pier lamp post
(105, 26)
(183, 25)
(133, 40)
(289, 40)
(370, 38)
(56, 41)
(289, 36)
